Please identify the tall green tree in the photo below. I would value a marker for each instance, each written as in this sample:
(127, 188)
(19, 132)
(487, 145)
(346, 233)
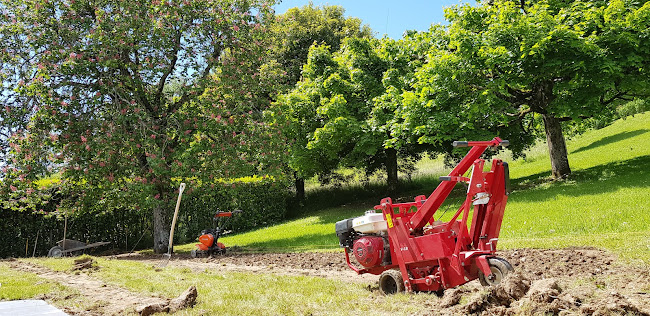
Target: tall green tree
(128, 98)
(293, 33)
(510, 63)
(342, 112)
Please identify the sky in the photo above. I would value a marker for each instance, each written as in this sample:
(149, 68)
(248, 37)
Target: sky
(385, 16)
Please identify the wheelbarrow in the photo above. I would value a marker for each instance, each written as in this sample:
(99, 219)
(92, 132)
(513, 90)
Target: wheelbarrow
(71, 247)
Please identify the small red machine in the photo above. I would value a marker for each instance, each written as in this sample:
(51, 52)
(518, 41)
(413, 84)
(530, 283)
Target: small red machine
(414, 252)
(209, 244)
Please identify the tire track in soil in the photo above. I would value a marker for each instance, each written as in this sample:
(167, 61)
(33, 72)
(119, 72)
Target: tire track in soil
(108, 299)
(314, 264)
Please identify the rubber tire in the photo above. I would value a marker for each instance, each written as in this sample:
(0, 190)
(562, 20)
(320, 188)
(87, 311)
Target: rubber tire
(499, 270)
(193, 253)
(508, 265)
(391, 282)
(55, 252)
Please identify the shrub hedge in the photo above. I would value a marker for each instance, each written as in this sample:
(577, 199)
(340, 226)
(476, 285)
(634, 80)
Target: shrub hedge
(19, 230)
(262, 200)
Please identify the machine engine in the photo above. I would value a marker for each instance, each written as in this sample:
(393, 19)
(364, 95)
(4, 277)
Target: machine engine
(366, 237)
(208, 244)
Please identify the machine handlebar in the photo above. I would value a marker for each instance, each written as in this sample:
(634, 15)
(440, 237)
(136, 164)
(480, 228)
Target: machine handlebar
(492, 143)
(227, 214)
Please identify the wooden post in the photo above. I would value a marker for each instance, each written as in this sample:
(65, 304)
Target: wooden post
(65, 230)
(35, 243)
(170, 248)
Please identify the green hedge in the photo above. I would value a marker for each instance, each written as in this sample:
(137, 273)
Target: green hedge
(263, 202)
(20, 229)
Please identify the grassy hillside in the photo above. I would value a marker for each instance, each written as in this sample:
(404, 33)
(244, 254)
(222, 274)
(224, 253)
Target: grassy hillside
(604, 203)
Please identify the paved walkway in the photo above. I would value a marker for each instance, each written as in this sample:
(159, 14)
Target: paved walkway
(29, 308)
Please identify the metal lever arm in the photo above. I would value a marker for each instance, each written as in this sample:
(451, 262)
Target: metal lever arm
(492, 143)
(433, 202)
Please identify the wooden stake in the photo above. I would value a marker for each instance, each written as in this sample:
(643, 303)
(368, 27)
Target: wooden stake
(35, 243)
(170, 248)
(65, 230)
(26, 246)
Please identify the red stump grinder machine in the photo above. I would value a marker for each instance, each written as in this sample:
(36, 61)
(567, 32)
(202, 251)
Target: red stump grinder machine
(411, 251)
(209, 240)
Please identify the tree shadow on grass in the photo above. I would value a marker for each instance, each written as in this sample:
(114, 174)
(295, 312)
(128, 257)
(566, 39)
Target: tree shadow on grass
(611, 139)
(631, 173)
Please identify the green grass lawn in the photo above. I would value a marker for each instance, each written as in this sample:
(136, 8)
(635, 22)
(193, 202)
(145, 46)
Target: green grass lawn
(19, 285)
(16, 285)
(233, 293)
(604, 203)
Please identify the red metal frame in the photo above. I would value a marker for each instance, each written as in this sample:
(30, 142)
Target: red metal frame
(433, 255)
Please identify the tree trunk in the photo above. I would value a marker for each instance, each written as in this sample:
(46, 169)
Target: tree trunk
(556, 147)
(391, 169)
(160, 229)
(300, 188)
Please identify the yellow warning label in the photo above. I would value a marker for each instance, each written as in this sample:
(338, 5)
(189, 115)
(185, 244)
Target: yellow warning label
(389, 220)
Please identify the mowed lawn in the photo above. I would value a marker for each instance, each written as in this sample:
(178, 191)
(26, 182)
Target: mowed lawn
(605, 202)
(219, 292)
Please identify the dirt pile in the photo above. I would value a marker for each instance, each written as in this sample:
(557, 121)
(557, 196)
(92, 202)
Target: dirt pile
(84, 264)
(614, 304)
(512, 288)
(517, 295)
(185, 300)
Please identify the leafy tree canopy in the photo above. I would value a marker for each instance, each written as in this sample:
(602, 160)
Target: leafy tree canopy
(343, 112)
(295, 31)
(127, 98)
(508, 64)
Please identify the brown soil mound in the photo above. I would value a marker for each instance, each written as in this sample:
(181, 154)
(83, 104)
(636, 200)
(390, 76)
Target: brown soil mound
(84, 263)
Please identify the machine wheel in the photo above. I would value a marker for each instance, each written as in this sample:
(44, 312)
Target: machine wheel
(508, 265)
(499, 267)
(391, 282)
(55, 252)
(196, 253)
